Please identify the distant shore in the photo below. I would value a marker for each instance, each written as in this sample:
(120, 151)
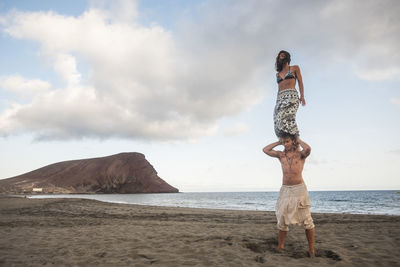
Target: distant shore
(92, 233)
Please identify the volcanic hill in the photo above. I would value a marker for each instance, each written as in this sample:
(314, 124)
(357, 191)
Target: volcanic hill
(124, 173)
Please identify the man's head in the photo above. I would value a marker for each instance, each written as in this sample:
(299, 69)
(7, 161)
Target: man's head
(289, 142)
(281, 60)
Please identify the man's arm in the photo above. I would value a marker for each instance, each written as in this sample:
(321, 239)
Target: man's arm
(269, 150)
(306, 149)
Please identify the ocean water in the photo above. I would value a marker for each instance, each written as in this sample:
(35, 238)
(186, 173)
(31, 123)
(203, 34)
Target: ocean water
(355, 202)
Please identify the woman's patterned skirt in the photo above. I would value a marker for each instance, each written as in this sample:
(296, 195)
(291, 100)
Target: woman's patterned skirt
(285, 111)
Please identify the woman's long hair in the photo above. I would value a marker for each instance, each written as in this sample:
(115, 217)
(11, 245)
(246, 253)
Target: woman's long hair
(279, 64)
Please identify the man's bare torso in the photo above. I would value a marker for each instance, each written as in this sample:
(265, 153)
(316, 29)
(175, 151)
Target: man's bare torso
(292, 167)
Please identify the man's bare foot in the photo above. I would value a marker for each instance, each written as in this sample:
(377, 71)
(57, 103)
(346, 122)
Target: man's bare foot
(311, 254)
(279, 249)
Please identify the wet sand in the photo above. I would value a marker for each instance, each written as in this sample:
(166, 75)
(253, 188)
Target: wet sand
(78, 232)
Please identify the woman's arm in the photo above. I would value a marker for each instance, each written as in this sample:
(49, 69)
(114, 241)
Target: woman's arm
(269, 150)
(301, 86)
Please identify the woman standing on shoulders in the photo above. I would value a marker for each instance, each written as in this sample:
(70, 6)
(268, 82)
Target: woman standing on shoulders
(287, 101)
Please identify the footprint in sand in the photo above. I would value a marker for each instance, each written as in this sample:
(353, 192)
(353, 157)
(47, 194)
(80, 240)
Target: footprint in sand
(291, 250)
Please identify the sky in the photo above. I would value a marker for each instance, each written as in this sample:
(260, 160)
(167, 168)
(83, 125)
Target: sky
(191, 84)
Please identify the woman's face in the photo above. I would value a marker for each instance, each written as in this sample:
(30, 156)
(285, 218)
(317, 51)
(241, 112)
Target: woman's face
(282, 56)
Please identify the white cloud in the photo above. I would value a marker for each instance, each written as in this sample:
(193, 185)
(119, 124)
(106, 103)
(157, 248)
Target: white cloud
(395, 101)
(146, 82)
(366, 33)
(314, 161)
(24, 88)
(395, 151)
(120, 10)
(238, 128)
(141, 82)
(377, 74)
(65, 66)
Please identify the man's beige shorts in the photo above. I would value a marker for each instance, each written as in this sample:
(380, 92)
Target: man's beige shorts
(293, 207)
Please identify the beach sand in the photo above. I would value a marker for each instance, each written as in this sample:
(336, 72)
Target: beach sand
(78, 232)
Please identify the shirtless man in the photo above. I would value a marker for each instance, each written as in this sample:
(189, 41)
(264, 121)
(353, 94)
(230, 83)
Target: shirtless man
(293, 204)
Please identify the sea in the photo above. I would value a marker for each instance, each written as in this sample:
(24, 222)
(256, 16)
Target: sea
(383, 202)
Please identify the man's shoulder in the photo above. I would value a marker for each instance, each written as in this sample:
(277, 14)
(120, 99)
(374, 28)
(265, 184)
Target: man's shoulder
(300, 155)
(298, 152)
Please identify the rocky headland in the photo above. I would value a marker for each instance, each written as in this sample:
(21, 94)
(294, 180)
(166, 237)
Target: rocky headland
(123, 173)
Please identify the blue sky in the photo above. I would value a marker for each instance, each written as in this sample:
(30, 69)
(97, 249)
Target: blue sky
(191, 84)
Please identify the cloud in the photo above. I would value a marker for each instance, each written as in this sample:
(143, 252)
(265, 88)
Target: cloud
(363, 36)
(315, 161)
(65, 66)
(24, 88)
(395, 101)
(145, 82)
(238, 128)
(141, 82)
(395, 151)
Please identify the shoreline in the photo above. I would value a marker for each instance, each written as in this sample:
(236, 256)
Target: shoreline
(124, 202)
(84, 232)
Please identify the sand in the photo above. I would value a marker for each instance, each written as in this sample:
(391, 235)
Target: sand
(78, 232)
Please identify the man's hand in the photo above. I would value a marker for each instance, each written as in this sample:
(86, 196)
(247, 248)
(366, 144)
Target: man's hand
(306, 149)
(270, 152)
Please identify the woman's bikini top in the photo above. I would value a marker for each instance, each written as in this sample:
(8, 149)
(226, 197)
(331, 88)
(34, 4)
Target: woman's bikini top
(289, 75)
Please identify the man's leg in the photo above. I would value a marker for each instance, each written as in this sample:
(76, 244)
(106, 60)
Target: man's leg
(281, 239)
(310, 239)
